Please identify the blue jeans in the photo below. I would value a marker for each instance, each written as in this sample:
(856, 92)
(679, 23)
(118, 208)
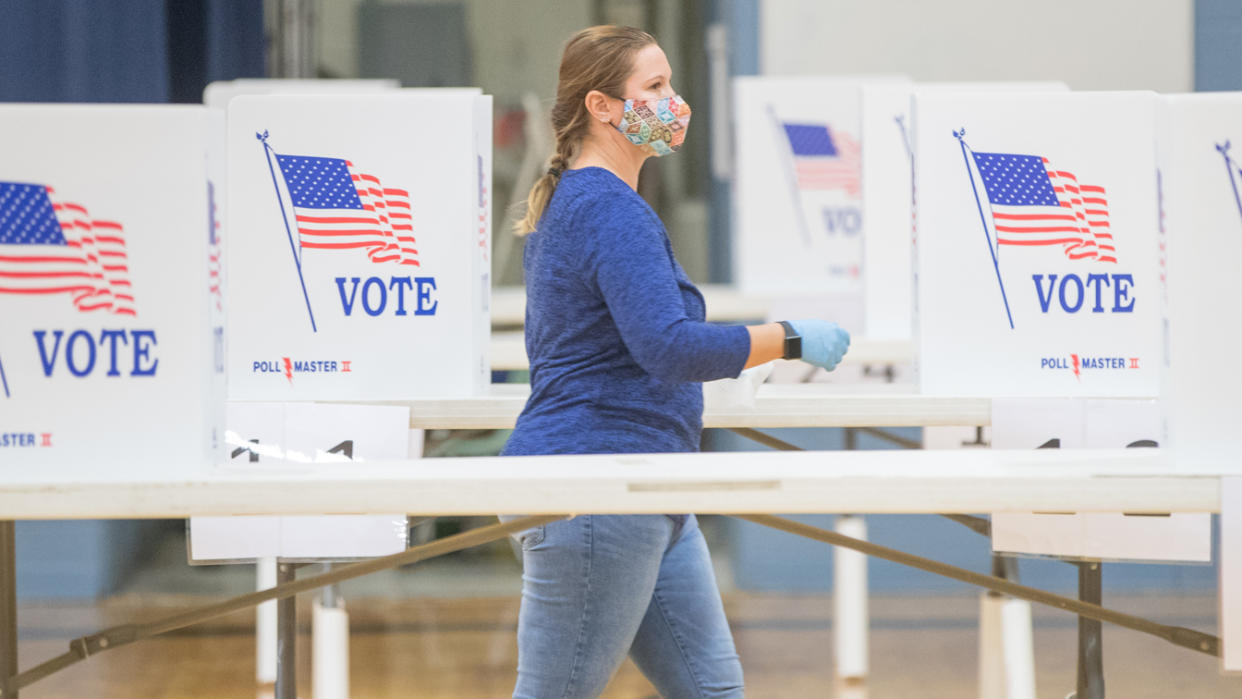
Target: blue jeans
(597, 587)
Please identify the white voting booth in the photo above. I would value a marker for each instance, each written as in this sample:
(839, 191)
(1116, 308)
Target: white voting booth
(107, 331)
(380, 226)
(1038, 274)
(798, 194)
(1038, 279)
(1201, 222)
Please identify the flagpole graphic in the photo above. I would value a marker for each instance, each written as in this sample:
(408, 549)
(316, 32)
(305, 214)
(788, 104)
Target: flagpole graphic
(790, 174)
(905, 139)
(267, 151)
(914, 195)
(1230, 167)
(961, 140)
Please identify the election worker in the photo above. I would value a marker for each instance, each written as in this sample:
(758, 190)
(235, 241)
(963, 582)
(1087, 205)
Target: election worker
(618, 349)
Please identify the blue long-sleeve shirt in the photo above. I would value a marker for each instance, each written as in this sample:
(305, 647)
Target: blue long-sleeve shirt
(615, 329)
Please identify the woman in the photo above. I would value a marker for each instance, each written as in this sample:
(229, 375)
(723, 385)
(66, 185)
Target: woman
(618, 347)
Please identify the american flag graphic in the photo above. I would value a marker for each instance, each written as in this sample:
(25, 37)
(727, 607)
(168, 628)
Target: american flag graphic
(339, 208)
(52, 247)
(824, 160)
(1035, 205)
(214, 271)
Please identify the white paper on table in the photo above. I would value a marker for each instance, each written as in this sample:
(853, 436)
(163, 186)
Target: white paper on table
(1035, 423)
(242, 538)
(341, 434)
(254, 433)
(1177, 536)
(290, 435)
(1094, 424)
(739, 392)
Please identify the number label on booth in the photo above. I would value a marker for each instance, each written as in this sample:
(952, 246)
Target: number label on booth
(1071, 423)
(276, 434)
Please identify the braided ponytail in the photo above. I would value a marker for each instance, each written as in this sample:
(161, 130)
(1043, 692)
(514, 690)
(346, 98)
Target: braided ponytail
(598, 58)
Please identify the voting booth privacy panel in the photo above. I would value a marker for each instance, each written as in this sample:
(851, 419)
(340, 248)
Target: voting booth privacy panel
(1201, 238)
(216, 98)
(108, 352)
(1037, 266)
(888, 196)
(1038, 283)
(360, 242)
(798, 189)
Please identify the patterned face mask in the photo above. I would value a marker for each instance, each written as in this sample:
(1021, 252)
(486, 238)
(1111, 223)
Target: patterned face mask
(656, 124)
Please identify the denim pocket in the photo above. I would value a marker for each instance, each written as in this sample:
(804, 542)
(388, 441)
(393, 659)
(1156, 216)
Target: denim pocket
(530, 538)
(526, 538)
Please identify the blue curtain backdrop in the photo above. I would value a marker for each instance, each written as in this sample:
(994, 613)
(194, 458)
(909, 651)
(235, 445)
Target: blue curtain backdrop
(1218, 45)
(126, 50)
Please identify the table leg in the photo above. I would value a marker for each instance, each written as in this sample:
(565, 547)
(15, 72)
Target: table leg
(286, 636)
(8, 603)
(1090, 633)
(330, 645)
(849, 598)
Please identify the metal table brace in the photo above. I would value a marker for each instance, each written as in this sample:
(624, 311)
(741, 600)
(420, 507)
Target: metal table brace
(81, 648)
(1090, 682)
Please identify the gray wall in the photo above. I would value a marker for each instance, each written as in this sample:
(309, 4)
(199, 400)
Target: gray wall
(1095, 45)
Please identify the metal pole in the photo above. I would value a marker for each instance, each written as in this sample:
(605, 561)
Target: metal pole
(8, 603)
(286, 636)
(292, 52)
(1090, 633)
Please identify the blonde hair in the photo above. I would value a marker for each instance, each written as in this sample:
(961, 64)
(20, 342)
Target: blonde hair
(597, 58)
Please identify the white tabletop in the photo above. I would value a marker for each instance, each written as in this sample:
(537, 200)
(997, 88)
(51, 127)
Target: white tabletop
(775, 405)
(1136, 480)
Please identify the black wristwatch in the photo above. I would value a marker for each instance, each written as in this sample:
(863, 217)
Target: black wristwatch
(793, 341)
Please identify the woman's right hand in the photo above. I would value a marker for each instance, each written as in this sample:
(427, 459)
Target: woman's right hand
(824, 343)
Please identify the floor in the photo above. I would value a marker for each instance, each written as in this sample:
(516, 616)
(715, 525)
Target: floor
(445, 628)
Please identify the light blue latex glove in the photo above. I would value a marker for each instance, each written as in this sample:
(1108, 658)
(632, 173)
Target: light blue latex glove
(823, 342)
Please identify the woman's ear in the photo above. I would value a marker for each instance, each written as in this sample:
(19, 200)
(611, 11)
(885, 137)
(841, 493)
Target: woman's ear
(600, 106)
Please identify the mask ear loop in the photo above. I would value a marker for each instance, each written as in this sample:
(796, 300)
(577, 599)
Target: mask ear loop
(616, 126)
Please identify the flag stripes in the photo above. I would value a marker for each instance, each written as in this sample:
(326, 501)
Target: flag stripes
(338, 208)
(53, 247)
(1033, 204)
